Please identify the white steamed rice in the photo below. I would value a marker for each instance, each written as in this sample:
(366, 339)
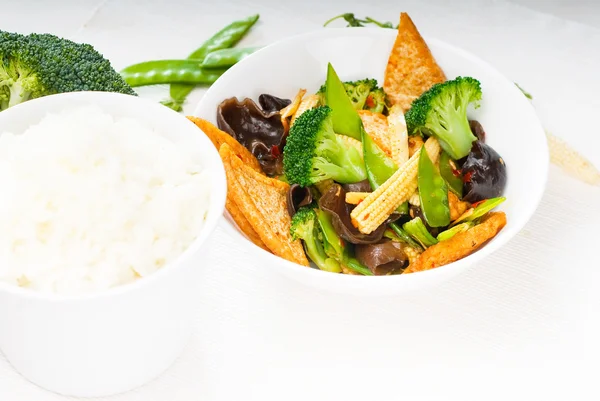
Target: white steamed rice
(89, 202)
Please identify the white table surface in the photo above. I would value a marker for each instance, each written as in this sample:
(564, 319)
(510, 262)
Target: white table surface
(520, 326)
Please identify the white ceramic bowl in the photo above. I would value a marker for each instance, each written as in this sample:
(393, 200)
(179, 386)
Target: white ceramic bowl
(111, 341)
(508, 118)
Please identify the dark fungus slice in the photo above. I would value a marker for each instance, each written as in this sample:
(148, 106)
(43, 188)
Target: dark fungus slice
(484, 173)
(297, 197)
(383, 258)
(258, 131)
(361, 186)
(270, 103)
(477, 130)
(334, 202)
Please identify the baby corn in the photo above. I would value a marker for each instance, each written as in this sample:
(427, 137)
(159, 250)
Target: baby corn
(377, 207)
(398, 135)
(415, 199)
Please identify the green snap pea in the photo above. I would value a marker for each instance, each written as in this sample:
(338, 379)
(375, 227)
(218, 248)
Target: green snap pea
(447, 171)
(397, 233)
(346, 120)
(225, 38)
(335, 247)
(433, 193)
(168, 71)
(480, 209)
(416, 229)
(226, 57)
(451, 232)
(330, 235)
(353, 264)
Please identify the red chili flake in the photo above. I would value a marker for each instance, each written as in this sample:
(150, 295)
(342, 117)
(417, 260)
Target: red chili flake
(468, 176)
(370, 102)
(275, 152)
(477, 203)
(366, 216)
(456, 172)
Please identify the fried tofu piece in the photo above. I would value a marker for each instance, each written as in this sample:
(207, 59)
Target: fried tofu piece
(457, 207)
(376, 125)
(461, 245)
(243, 223)
(218, 138)
(262, 201)
(411, 68)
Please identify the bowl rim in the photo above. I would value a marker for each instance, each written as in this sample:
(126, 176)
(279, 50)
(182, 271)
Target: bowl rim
(537, 190)
(216, 207)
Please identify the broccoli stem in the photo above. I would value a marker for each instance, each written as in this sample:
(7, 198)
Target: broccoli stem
(18, 94)
(455, 135)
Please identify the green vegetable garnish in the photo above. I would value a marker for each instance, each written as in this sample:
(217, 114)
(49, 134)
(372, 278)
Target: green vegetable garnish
(527, 94)
(416, 229)
(355, 22)
(433, 193)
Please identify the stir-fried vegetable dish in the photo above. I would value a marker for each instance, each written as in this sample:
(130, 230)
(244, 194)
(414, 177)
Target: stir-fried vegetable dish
(364, 179)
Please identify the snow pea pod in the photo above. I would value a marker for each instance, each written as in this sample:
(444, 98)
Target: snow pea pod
(449, 173)
(433, 193)
(226, 57)
(169, 71)
(416, 229)
(346, 120)
(225, 38)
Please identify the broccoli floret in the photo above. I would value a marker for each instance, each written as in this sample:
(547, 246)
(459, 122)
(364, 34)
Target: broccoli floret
(376, 101)
(314, 153)
(442, 112)
(41, 64)
(358, 92)
(304, 226)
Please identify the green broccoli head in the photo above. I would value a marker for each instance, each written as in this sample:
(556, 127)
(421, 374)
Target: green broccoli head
(442, 112)
(358, 92)
(305, 226)
(376, 101)
(314, 153)
(41, 64)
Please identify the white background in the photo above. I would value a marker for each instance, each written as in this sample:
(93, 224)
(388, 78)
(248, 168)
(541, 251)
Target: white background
(522, 325)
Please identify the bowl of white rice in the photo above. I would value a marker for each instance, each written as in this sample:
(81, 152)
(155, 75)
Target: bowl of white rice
(106, 202)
